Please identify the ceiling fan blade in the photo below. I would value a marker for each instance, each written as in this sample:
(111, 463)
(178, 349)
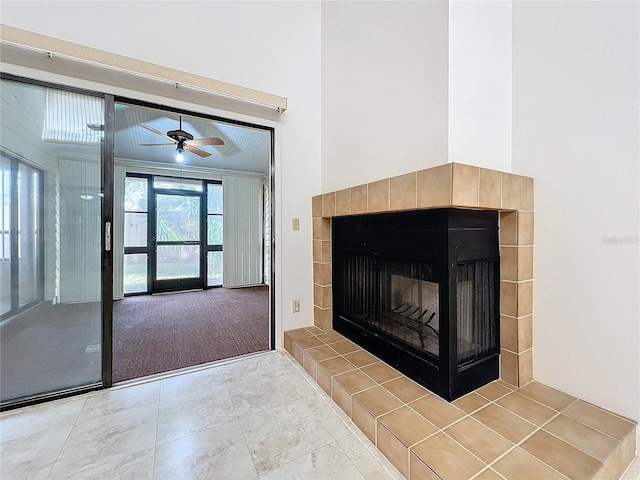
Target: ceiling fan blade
(206, 141)
(157, 132)
(154, 144)
(197, 151)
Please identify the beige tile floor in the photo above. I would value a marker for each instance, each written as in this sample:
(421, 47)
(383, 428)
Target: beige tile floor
(259, 417)
(499, 431)
(256, 417)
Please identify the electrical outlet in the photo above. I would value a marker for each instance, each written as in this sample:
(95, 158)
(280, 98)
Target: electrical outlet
(295, 224)
(295, 306)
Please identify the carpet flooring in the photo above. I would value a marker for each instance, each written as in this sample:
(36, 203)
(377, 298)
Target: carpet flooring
(160, 333)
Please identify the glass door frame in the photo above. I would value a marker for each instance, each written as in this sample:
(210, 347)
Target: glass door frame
(174, 285)
(106, 222)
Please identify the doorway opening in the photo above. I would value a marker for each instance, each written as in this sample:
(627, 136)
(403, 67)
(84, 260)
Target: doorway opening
(192, 246)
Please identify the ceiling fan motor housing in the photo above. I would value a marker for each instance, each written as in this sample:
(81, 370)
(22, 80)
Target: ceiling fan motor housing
(179, 135)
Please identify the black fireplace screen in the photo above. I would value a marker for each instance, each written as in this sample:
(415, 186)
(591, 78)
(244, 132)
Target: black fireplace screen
(421, 290)
(395, 298)
(477, 332)
(400, 299)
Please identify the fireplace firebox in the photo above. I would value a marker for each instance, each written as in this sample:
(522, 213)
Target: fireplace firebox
(420, 290)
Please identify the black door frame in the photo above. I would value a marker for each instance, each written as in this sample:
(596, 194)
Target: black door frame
(107, 162)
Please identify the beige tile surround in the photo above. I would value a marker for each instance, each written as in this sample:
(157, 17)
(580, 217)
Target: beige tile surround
(449, 185)
(497, 432)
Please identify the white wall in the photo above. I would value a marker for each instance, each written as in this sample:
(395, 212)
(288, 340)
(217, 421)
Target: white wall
(384, 89)
(575, 131)
(480, 83)
(268, 46)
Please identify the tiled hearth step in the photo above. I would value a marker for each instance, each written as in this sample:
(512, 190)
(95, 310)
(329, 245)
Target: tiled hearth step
(498, 431)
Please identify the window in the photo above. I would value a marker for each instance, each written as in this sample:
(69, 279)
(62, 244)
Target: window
(173, 233)
(214, 234)
(136, 255)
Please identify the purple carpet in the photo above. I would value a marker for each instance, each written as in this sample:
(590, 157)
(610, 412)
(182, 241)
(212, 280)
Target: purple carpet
(160, 333)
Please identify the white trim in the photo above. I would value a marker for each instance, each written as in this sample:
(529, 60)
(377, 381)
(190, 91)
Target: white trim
(54, 47)
(157, 168)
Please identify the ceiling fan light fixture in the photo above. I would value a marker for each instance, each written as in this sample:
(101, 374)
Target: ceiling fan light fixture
(179, 155)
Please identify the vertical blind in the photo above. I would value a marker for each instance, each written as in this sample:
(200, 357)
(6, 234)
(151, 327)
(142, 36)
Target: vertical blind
(243, 232)
(119, 177)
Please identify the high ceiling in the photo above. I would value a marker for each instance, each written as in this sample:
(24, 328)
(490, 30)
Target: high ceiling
(245, 149)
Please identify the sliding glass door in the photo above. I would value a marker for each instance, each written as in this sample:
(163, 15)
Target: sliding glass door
(51, 270)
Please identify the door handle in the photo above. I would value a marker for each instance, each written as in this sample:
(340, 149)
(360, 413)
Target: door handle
(107, 236)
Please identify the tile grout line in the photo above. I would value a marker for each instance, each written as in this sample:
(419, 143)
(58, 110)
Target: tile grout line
(487, 465)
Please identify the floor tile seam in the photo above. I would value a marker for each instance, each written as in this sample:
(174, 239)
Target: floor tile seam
(493, 400)
(633, 424)
(217, 425)
(468, 414)
(488, 468)
(53, 463)
(246, 443)
(501, 435)
(521, 417)
(322, 360)
(377, 382)
(544, 404)
(544, 422)
(602, 462)
(38, 432)
(405, 403)
(464, 448)
(424, 463)
(347, 391)
(492, 464)
(409, 447)
(591, 426)
(527, 437)
(296, 458)
(370, 412)
(621, 417)
(383, 466)
(550, 466)
(82, 420)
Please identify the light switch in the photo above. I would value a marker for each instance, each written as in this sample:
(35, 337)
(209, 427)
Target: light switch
(295, 224)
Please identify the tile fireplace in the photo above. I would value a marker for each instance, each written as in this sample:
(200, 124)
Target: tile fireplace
(451, 185)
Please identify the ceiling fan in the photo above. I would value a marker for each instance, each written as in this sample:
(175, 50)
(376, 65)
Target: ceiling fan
(183, 140)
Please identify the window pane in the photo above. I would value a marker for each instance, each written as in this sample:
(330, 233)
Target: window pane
(177, 183)
(5, 246)
(135, 273)
(135, 229)
(135, 194)
(214, 199)
(214, 269)
(27, 240)
(178, 218)
(178, 261)
(214, 229)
